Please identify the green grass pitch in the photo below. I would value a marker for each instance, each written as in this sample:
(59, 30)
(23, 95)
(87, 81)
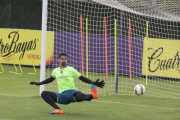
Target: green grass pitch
(21, 101)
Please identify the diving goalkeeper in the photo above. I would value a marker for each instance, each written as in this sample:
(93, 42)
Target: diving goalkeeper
(67, 91)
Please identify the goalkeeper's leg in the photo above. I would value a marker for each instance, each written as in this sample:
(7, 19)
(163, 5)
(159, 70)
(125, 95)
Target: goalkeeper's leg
(79, 96)
(51, 98)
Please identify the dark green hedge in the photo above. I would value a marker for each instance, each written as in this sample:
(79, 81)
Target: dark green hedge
(27, 14)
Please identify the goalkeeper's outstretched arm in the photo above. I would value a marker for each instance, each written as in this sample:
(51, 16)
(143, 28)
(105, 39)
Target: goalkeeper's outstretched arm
(46, 81)
(97, 83)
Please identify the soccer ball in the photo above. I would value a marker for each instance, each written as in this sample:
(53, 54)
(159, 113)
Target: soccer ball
(139, 89)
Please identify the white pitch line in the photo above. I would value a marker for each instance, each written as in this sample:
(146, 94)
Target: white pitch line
(109, 102)
(13, 95)
(10, 95)
(136, 105)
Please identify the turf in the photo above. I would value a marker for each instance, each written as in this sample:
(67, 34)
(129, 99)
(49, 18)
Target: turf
(21, 101)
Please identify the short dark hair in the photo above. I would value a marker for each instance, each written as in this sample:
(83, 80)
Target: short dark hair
(62, 54)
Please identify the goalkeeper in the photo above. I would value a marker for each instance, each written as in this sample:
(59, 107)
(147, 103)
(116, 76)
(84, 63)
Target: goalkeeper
(67, 91)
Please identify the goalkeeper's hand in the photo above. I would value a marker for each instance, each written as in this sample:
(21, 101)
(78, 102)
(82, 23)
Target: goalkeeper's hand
(35, 83)
(99, 84)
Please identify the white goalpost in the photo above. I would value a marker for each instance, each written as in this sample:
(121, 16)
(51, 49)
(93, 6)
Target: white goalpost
(43, 43)
(124, 42)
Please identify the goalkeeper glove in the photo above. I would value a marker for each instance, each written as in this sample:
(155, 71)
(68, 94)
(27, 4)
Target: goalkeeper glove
(99, 84)
(35, 83)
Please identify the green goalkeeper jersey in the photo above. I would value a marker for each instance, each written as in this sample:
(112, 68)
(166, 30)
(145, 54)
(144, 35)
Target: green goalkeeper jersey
(65, 78)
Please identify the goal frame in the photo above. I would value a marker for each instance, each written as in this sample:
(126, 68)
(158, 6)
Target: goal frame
(43, 43)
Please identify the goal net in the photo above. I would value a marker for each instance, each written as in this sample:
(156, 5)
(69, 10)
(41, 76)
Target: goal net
(124, 42)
